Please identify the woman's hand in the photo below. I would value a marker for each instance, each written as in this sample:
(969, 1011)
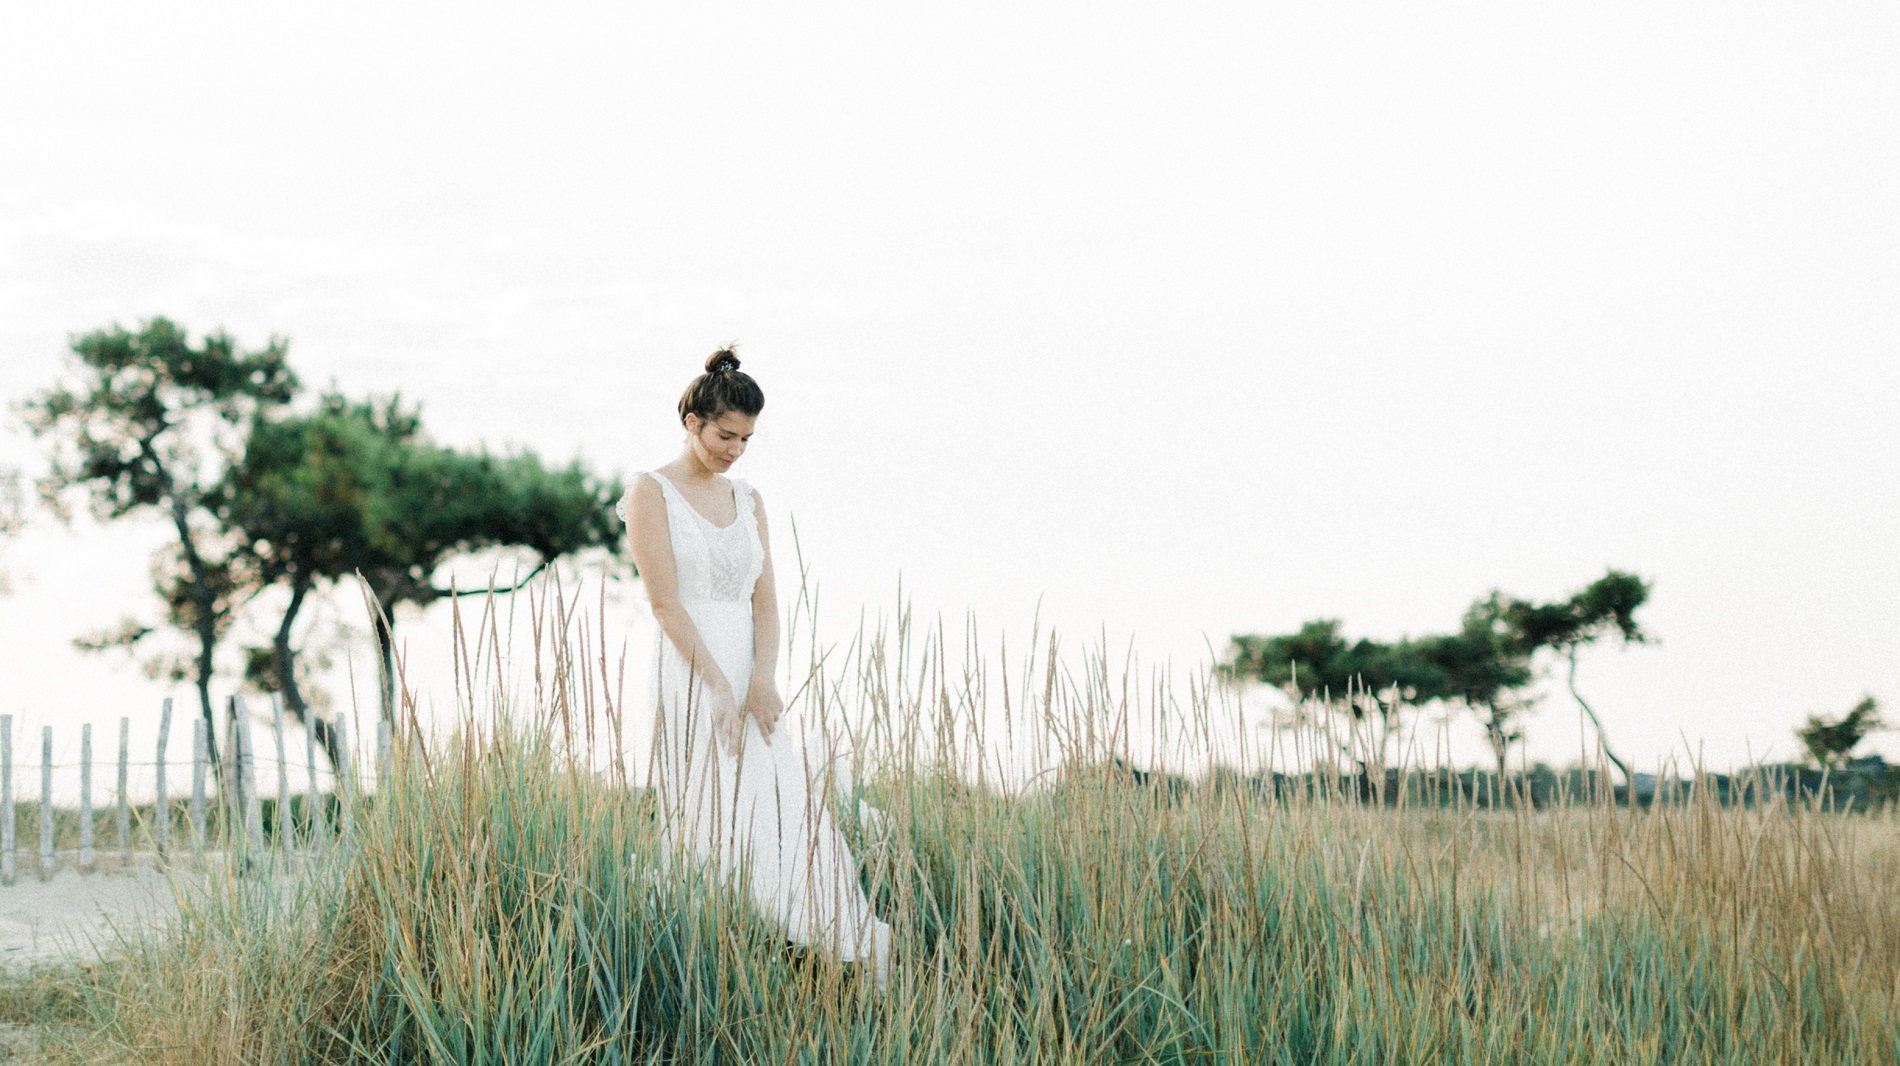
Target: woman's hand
(763, 704)
(724, 712)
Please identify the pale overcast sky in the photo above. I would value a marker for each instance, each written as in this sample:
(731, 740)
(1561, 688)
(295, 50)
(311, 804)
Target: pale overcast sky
(1187, 319)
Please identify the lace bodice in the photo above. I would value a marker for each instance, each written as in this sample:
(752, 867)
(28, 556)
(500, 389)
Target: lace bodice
(713, 563)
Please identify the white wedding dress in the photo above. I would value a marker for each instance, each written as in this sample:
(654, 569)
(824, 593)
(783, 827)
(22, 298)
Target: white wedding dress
(759, 816)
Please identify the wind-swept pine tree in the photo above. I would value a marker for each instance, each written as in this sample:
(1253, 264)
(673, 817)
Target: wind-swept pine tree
(357, 488)
(146, 422)
(1485, 666)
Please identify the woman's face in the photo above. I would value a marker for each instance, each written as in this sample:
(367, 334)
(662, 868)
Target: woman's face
(721, 441)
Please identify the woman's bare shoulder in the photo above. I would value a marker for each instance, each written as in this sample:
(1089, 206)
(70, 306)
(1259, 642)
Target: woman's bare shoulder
(643, 490)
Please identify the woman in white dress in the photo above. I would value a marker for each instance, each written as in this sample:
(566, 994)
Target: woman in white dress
(732, 787)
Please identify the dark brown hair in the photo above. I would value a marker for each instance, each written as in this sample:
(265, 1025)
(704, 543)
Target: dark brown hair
(723, 387)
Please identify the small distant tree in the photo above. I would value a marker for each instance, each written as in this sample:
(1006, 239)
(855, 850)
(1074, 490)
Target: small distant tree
(145, 423)
(1481, 668)
(1831, 741)
(1486, 666)
(1369, 680)
(1605, 607)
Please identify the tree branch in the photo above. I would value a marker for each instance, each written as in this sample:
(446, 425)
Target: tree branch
(1603, 743)
(517, 587)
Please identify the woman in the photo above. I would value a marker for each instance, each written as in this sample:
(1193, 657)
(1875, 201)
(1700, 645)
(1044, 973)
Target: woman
(732, 786)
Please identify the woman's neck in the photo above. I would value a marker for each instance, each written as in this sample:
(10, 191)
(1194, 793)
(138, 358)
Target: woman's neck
(692, 470)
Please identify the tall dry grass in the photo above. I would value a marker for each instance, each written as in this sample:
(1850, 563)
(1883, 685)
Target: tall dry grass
(499, 903)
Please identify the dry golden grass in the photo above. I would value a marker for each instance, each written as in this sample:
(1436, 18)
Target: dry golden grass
(486, 911)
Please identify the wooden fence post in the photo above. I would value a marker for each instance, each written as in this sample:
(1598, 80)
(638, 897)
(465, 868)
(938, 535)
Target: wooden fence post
(163, 809)
(382, 752)
(252, 811)
(313, 805)
(46, 802)
(285, 838)
(232, 778)
(198, 791)
(345, 777)
(85, 797)
(6, 799)
(125, 811)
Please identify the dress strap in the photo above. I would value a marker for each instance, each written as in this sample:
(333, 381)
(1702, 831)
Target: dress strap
(741, 498)
(620, 508)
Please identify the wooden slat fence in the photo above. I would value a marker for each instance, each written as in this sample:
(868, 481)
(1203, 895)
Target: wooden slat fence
(300, 824)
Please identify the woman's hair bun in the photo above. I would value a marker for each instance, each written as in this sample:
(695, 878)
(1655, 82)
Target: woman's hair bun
(723, 387)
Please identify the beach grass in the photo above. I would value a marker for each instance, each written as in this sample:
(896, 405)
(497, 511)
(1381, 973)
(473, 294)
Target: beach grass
(500, 902)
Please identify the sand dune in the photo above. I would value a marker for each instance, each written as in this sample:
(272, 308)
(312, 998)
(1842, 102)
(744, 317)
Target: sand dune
(75, 917)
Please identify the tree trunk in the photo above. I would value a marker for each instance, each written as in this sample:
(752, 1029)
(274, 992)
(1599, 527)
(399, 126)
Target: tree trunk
(211, 726)
(206, 600)
(1603, 743)
(207, 646)
(300, 584)
(1500, 747)
(384, 626)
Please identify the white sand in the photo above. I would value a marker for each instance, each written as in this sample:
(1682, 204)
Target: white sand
(72, 917)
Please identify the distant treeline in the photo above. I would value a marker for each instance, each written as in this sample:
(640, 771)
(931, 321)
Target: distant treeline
(1358, 693)
(1485, 667)
(1866, 783)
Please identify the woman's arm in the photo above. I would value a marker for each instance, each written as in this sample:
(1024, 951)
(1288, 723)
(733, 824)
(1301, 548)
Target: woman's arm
(652, 545)
(762, 699)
